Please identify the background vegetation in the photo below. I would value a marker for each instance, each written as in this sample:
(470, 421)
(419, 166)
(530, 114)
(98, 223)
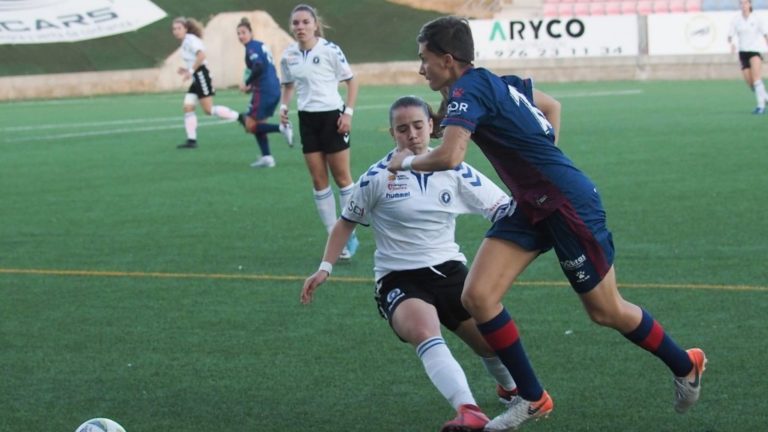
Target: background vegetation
(367, 30)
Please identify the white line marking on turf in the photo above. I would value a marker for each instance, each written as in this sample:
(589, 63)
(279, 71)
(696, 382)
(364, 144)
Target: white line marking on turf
(179, 125)
(598, 93)
(112, 132)
(98, 124)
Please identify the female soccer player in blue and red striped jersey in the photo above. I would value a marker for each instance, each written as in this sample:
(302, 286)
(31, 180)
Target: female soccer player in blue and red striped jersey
(559, 208)
(262, 83)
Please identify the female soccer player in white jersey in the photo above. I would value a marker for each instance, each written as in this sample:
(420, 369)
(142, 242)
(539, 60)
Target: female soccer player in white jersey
(559, 208)
(261, 82)
(190, 32)
(313, 68)
(419, 268)
(749, 30)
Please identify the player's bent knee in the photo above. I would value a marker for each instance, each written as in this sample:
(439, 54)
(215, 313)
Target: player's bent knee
(474, 302)
(604, 317)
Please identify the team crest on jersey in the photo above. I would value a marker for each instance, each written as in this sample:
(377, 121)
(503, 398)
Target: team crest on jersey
(445, 197)
(457, 92)
(316, 60)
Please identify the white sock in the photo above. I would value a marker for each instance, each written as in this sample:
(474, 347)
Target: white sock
(759, 93)
(445, 372)
(499, 372)
(326, 207)
(190, 124)
(223, 112)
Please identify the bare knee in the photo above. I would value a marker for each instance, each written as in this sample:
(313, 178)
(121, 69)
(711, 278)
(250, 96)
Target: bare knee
(602, 317)
(473, 302)
(624, 317)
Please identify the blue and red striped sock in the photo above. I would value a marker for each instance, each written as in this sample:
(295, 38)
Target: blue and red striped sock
(501, 334)
(650, 336)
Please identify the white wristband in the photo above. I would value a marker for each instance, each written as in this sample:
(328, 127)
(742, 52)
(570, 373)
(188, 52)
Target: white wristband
(349, 111)
(283, 108)
(326, 267)
(407, 162)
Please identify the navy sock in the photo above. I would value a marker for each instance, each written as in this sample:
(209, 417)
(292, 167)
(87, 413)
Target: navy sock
(651, 336)
(502, 335)
(261, 138)
(265, 128)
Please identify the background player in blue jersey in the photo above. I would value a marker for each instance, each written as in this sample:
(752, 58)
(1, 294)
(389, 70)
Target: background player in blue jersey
(190, 32)
(559, 208)
(419, 268)
(313, 67)
(260, 80)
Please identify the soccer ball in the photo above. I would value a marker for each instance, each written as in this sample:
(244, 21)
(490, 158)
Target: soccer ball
(100, 425)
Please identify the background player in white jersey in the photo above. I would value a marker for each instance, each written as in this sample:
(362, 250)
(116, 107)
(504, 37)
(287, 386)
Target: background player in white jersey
(190, 32)
(750, 31)
(419, 268)
(313, 68)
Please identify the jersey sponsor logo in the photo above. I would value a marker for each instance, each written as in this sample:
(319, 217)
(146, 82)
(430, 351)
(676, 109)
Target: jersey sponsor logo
(396, 186)
(574, 263)
(292, 59)
(455, 108)
(355, 209)
(397, 195)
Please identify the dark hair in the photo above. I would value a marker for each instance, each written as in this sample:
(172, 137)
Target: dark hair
(449, 35)
(312, 11)
(415, 101)
(244, 22)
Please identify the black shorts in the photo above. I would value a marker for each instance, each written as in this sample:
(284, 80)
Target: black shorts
(440, 286)
(745, 56)
(319, 132)
(202, 83)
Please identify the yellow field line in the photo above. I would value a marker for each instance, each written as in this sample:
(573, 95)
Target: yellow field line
(264, 277)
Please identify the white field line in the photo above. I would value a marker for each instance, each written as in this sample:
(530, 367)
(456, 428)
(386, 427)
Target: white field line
(180, 125)
(98, 124)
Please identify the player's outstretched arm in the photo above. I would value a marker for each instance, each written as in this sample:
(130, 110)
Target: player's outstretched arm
(338, 238)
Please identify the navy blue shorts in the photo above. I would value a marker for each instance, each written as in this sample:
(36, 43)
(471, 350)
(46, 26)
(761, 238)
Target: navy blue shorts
(263, 105)
(581, 240)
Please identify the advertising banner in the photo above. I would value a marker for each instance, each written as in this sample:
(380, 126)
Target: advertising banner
(52, 21)
(693, 33)
(565, 37)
